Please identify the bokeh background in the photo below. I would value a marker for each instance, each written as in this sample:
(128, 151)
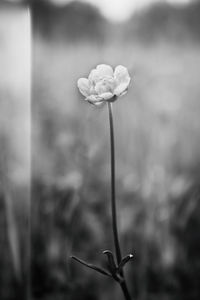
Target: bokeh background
(157, 129)
(14, 150)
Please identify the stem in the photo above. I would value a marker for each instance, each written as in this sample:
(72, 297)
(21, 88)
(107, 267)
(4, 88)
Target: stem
(113, 202)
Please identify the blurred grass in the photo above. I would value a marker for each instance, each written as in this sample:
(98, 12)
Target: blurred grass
(158, 116)
(157, 151)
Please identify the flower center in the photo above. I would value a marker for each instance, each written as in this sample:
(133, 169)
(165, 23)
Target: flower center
(105, 84)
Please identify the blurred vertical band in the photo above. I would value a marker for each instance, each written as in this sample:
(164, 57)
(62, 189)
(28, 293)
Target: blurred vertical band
(15, 134)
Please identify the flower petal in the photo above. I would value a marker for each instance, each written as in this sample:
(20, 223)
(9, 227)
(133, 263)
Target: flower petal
(106, 96)
(122, 80)
(121, 89)
(94, 99)
(104, 70)
(121, 74)
(94, 76)
(105, 85)
(100, 72)
(84, 86)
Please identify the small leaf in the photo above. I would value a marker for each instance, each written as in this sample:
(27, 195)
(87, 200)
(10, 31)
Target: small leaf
(111, 262)
(91, 266)
(124, 261)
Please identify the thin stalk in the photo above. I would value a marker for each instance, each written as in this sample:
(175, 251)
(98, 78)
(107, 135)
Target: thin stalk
(113, 202)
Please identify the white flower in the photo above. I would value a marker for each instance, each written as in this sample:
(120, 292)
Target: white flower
(103, 84)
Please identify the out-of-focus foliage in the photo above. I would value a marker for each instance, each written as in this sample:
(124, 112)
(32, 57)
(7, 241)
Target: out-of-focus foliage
(164, 21)
(75, 21)
(78, 21)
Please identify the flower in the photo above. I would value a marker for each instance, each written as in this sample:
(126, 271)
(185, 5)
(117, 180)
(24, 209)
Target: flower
(103, 84)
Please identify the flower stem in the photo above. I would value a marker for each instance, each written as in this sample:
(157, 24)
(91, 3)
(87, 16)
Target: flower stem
(113, 202)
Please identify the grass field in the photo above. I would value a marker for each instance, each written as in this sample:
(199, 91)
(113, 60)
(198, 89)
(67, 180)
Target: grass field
(157, 152)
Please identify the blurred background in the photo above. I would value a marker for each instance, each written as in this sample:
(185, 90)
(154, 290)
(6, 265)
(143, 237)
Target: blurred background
(157, 128)
(14, 150)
